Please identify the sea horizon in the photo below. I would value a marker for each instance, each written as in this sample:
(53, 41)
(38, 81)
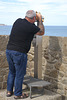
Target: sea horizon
(49, 30)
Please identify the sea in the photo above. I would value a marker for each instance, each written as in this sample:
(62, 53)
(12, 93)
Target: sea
(60, 31)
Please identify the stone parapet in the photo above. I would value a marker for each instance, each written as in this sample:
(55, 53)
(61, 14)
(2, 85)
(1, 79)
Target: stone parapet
(4, 69)
(54, 62)
(3, 61)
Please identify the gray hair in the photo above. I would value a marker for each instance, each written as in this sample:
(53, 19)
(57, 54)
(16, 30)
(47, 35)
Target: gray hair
(30, 14)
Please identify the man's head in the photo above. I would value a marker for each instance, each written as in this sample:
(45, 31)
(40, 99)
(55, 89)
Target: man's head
(30, 16)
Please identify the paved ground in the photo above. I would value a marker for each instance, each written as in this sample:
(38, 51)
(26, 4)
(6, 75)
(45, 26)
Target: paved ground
(43, 95)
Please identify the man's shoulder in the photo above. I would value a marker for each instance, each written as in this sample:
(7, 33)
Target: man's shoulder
(19, 19)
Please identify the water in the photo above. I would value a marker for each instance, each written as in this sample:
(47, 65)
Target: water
(56, 31)
(5, 30)
(49, 30)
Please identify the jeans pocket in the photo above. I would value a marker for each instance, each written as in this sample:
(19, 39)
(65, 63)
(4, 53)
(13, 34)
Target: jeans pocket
(17, 58)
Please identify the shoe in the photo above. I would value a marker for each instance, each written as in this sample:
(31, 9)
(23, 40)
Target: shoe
(18, 97)
(21, 97)
(9, 93)
(25, 95)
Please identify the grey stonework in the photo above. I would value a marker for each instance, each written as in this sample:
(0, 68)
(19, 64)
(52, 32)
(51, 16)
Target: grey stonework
(3, 61)
(54, 63)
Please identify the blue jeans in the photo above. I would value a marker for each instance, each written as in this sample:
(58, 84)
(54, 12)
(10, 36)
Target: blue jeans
(17, 69)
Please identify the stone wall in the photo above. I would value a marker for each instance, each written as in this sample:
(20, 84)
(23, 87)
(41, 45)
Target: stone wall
(54, 62)
(3, 62)
(30, 62)
(4, 69)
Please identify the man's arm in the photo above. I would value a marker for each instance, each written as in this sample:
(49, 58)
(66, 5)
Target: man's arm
(40, 25)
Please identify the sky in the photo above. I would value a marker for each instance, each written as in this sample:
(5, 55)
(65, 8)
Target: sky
(54, 11)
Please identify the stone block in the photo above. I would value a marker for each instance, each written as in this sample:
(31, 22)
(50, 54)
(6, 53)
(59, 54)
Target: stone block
(50, 66)
(64, 80)
(4, 72)
(49, 79)
(3, 60)
(64, 59)
(43, 61)
(30, 57)
(1, 78)
(52, 56)
(60, 85)
(0, 85)
(66, 73)
(3, 42)
(52, 73)
(60, 92)
(61, 73)
(31, 64)
(4, 85)
(5, 77)
(54, 43)
(45, 42)
(58, 64)
(63, 67)
(65, 97)
(59, 78)
(31, 51)
(28, 63)
(65, 46)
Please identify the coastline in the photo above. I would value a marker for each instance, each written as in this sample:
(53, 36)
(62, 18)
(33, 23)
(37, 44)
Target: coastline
(2, 25)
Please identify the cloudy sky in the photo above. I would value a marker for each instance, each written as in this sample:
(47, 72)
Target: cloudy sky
(54, 11)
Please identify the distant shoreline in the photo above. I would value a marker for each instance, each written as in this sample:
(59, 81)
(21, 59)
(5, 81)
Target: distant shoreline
(2, 25)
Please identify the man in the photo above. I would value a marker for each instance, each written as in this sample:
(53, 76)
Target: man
(22, 33)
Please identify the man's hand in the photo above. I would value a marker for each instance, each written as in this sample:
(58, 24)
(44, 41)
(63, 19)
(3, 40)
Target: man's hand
(38, 17)
(40, 24)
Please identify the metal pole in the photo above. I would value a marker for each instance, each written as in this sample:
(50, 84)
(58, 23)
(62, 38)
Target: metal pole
(38, 58)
